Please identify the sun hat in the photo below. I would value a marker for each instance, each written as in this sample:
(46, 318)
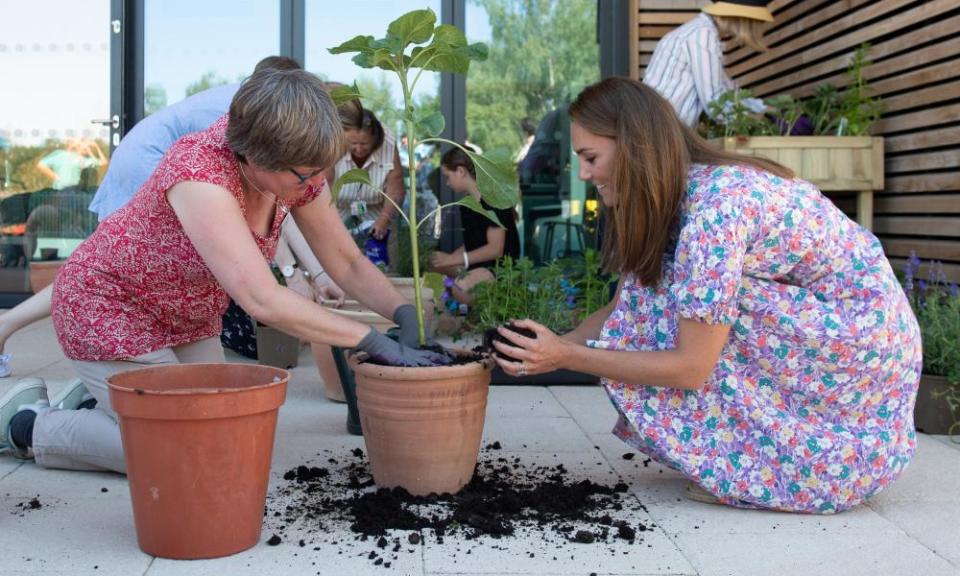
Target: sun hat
(753, 9)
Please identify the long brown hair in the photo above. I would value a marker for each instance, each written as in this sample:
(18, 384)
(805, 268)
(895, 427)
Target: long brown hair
(654, 151)
(744, 31)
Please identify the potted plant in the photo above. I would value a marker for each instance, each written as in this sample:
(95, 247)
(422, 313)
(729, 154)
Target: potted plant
(422, 426)
(936, 304)
(558, 295)
(838, 155)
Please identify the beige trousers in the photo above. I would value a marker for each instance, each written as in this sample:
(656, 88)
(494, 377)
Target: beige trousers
(90, 439)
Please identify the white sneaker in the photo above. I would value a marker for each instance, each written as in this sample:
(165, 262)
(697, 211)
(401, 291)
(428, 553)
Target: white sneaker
(27, 394)
(71, 396)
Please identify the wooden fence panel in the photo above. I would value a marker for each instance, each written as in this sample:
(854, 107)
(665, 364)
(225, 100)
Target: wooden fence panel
(915, 49)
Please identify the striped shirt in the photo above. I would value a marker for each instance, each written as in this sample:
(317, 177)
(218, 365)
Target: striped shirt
(687, 68)
(378, 165)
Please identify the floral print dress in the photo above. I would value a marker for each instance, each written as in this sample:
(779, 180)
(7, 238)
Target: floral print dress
(810, 405)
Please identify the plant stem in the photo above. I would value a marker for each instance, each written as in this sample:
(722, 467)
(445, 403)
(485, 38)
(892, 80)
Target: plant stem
(412, 219)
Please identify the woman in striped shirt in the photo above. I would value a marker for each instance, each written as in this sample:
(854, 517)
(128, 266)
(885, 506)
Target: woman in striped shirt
(372, 148)
(687, 65)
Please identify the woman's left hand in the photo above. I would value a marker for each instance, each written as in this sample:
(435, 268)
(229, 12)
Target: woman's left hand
(539, 355)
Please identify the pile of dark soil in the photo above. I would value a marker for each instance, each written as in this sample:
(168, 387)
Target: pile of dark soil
(504, 499)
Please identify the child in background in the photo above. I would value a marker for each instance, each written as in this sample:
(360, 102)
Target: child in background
(483, 241)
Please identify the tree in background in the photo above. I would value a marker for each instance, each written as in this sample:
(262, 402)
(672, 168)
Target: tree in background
(154, 98)
(207, 81)
(542, 53)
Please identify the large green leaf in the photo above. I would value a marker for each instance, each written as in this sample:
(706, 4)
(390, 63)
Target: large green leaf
(343, 94)
(357, 175)
(430, 126)
(414, 27)
(496, 179)
(356, 44)
(472, 203)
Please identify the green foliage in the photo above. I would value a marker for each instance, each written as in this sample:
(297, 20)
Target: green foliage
(559, 295)
(154, 98)
(542, 53)
(402, 265)
(936, 304)
(829, 111)
(735, 118)
(414, 43)
(858, 110)
(207, 81)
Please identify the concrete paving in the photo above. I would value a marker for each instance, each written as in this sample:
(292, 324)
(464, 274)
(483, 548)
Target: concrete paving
(85, 522)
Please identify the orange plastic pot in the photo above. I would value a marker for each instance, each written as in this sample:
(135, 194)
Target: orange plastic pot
(198, 439)
(422, 426)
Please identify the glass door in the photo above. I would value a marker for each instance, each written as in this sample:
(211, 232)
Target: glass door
(191, 46)
(55, 130)
(542, 54)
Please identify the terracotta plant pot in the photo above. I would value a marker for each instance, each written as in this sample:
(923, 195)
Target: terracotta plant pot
(198, 439)
(42, 273)
(932, 415)
(422, 426)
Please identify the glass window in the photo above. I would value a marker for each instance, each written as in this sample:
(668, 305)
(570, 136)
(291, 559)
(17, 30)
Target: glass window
(328, 27)
(190, 46)
(542, 53)
(55, 57)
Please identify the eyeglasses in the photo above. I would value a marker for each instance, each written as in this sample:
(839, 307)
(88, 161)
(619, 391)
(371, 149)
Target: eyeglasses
(303, 179)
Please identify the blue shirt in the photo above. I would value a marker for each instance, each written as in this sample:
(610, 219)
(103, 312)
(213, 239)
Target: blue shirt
(143, 147)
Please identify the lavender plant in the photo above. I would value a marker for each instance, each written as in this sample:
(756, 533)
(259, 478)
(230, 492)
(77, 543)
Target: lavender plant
(936, 304)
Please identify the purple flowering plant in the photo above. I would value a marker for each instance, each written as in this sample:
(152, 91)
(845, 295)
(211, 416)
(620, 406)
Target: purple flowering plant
(936, 304)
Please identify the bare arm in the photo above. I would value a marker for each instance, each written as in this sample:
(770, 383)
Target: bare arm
(233, 257)
(687, 366)
(392, 187)
(336, 251)
(35, 308)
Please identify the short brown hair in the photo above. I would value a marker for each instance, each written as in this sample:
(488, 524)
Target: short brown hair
(285, 118)
(277, 63)
(654, 151)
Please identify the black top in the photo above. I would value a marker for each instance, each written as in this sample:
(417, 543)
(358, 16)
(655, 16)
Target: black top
(475, 232)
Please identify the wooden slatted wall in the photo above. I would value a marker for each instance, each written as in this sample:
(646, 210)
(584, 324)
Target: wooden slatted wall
(915, 48)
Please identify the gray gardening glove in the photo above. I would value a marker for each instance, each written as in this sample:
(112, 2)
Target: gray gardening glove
(383, 349)
(405, 316)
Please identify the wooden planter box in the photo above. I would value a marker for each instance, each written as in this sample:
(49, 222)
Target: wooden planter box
(932, 415)
(851, 164)
(277, 348)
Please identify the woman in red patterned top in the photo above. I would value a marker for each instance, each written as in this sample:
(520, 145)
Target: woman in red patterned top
(149, 286)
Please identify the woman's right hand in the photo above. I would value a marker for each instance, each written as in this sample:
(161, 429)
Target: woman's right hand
(388, 351)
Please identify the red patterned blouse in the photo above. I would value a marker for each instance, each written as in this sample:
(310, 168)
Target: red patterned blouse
(137, 284)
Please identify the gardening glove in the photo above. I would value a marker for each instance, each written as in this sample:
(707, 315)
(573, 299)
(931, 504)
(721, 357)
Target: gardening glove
(405, 316)
(383, 349)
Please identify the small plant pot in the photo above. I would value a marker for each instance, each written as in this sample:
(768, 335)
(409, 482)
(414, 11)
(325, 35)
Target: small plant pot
(422, 426)
(932, 415)
(277, 348)
(198, 439)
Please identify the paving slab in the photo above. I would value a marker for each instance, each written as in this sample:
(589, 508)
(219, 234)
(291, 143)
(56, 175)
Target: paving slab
(933, 524)
(536, 434)
(792, 554)
(588, 405)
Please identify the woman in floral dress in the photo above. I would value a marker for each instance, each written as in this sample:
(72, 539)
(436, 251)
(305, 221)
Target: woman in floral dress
(760, 343)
